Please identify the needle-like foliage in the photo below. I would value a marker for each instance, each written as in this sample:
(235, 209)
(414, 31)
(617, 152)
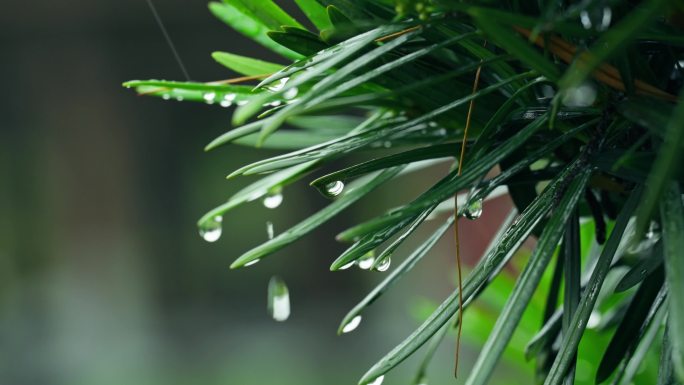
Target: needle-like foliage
(577, 108)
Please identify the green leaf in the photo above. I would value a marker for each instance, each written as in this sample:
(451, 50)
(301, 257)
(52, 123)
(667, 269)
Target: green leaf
(612, 41)
(529, 279)
(221, 94)
(245, 65)
(317, 65)
(647, 265)
(350, 143)
(570, 341)
(257, 190)
(665, 370)
(397, 273)
(334, 78)
(672, 217)
(482, 272)
(415, 155)
(315, 12)
(664, 167)
(249, 27)
(509, 40)
(309, 224)
(301, 43)
(266, 12)
(628, 334)
(573, 274)
(287, 139)
(646, 336)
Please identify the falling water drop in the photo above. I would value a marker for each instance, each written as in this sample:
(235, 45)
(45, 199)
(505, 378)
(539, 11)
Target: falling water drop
(209, 97)
(211, 231)
(351, 325)
(377, 381)
(278, 299)
(272, 201)
(366, 261)
(384, 265)
(334, 189)
(269, 230)
(474, 210)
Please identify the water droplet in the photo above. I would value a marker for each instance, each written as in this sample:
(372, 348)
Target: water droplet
(345, 267)
(227, 100)
(166, 96)
(179, 98)
(352, 325)
(209, 97)
(242, 102)
(269, 230)
(585, 19)
(474, 210)
(605, 20)
(334, 189)
(278, 299)
(583, 95)
(291, 93)
(253, 262)
(273, 200)
(384, 265)
(377, 381)
(600, 18)
(211, 231)
(275, 103)
(279, 86)
(387, 144)
(366, 261)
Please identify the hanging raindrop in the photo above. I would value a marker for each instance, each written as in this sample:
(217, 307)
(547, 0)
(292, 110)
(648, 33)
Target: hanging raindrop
(474, 210)
(211, 231)
(345, 267)
(384, 265)
(272, 201)
(334, 189)
(377, 381)
(352, 324)
(278, 299)
(366, 261)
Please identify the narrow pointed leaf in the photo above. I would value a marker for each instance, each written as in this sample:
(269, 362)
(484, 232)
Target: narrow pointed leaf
(245, 65)
(672, 217)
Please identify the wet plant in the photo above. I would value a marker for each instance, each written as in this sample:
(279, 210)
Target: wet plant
(575, 106)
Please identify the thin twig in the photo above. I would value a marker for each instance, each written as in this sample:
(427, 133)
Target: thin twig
(397, 34)
(471, 105)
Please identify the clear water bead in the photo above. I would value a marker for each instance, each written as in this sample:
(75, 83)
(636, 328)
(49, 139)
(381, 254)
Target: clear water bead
(334, 189)
(352, 324)
(474, 211)
(377, 381)
(211, 231)
(273, 200)
(366, 261)
(209, 97)
(384, 265)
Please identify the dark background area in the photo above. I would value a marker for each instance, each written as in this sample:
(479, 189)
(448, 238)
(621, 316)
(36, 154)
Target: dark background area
(103, 278)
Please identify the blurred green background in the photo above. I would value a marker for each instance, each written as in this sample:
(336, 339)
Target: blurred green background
(103, 277)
